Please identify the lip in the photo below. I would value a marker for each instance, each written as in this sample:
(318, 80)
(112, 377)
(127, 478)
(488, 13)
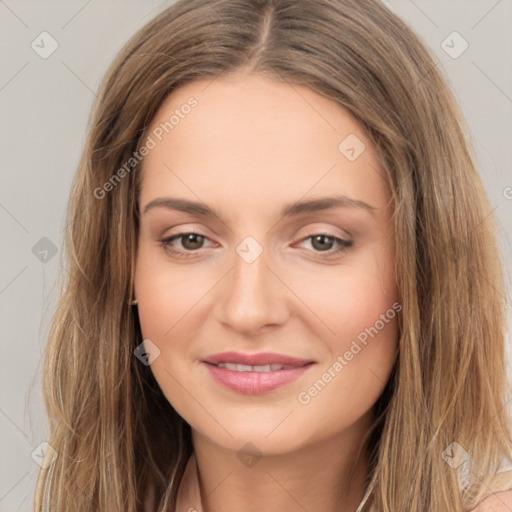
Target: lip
(256, 382)
(260, 359)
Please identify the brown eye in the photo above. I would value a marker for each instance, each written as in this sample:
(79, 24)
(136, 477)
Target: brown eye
(189, 243)
(325, 243)
(322, 242)
(192, 241)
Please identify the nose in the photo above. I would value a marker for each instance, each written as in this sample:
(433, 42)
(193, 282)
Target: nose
(252, 297)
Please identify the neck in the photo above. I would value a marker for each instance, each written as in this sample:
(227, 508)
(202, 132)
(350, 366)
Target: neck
(325, 476)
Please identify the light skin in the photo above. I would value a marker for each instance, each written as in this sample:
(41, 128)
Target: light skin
(249, 148)
(498, 502)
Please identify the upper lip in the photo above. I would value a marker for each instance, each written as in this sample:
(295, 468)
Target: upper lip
(261, 359)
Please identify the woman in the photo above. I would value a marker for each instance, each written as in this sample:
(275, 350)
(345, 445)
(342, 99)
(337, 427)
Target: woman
(284, 291)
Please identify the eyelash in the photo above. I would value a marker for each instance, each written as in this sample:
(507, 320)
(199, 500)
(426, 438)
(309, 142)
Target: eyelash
(166, 244)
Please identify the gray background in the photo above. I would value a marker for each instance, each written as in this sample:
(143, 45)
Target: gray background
(44, 109)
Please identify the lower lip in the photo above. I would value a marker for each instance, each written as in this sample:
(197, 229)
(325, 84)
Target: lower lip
(255, 383)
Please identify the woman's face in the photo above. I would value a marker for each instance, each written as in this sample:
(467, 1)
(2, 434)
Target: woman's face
(279, 263)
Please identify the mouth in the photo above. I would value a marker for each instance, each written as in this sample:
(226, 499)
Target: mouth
(255, 374)
(256, 368)
(263, 361)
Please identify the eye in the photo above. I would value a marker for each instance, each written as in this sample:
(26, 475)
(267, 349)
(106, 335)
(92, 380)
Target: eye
(190, 242)
(193, 242)
(325, 243)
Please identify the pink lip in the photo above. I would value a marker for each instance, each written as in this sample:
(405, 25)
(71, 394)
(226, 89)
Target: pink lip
(256, 383)
(261, 359)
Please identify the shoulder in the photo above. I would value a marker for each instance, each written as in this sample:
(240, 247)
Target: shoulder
(499, 502)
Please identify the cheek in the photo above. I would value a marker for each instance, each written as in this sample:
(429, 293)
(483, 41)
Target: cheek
(352, 297)
(359, 304)
(166, 293)
(347, 387)
(170, 311)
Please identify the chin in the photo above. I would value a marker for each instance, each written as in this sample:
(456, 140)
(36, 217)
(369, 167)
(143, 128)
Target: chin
(270, 436)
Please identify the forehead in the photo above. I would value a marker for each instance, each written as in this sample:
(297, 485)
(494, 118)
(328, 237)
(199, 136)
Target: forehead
(256, 136)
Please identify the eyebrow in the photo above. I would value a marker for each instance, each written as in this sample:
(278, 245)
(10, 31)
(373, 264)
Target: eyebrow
(290, 210)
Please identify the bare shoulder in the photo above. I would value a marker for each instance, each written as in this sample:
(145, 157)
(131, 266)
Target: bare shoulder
(499, 502)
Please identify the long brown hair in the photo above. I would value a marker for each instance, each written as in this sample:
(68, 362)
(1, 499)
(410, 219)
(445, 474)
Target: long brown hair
(115, 433)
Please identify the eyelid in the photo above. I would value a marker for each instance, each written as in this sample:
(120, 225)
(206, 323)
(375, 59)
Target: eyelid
(184, 228)
(309, 233)
(324, 228)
